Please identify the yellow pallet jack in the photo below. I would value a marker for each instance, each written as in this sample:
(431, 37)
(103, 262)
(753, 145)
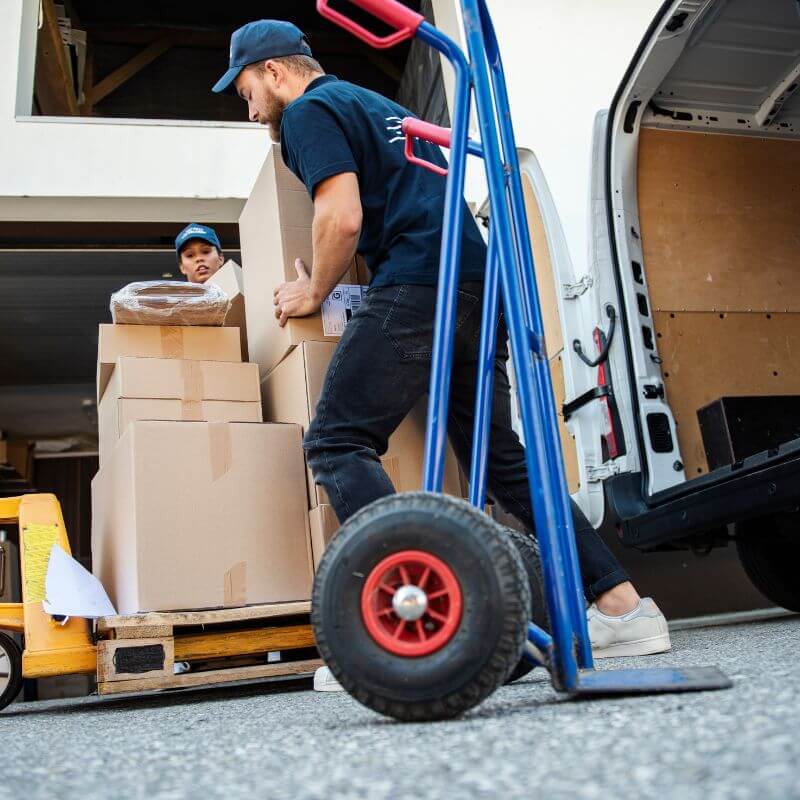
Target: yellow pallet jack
(139, 652)
(52, 646)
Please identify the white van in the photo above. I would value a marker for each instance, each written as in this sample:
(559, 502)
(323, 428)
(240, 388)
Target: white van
(676, 358)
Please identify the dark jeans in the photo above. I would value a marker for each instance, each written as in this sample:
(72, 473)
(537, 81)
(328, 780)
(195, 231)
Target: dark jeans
(379, 371)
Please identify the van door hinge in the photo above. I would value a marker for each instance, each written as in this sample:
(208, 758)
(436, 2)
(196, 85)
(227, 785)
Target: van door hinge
(573, 290)
(601, 472)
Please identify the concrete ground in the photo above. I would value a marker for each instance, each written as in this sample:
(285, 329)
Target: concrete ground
(281, 740)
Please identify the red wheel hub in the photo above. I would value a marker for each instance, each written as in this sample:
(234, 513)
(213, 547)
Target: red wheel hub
(411, 603)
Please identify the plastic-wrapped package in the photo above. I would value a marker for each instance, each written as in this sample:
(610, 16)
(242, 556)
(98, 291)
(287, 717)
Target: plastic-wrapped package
(169, 303)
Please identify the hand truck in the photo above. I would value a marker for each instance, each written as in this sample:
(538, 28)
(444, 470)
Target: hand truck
(421, 603)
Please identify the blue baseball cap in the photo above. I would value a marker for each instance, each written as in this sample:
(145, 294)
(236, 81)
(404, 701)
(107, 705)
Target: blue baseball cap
(259, 41)
(194, 230)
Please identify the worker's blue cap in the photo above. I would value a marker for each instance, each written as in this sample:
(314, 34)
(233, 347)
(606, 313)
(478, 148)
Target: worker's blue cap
(194, 230)
(259, 41)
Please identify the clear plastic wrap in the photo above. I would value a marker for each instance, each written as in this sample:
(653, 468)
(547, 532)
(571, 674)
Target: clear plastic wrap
(169, 303)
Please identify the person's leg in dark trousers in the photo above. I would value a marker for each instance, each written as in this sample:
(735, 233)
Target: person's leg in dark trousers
(381, 367)
(378, 372)
(507, 469)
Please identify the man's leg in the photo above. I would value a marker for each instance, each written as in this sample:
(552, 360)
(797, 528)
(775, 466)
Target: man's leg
(620, 622)
(369, 388)
(508, 481)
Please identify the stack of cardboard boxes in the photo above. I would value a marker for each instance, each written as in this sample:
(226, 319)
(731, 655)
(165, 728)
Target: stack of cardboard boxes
(197, 503)
(275, 229)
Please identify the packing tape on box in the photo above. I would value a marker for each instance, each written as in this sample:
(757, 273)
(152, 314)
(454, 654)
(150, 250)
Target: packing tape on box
(192, 410)
(193, 381)
(235, 589)
(171, 342)
(219, 446)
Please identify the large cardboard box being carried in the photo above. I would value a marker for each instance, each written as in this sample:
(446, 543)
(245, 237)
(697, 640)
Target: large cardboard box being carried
(157, 341)
(175, 389)
(290, 394)
(192, 515)
(229, 279)
(274, 230)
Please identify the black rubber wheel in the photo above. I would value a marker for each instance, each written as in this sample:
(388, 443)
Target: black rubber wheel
(10, 670)
(528, 548)
(769, 550)
(478, 646)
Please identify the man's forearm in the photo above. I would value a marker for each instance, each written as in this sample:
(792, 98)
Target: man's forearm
(335, 241)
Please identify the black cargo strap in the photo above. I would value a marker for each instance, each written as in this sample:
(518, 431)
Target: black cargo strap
(568, 409)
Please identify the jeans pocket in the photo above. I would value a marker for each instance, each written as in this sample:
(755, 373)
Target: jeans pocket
(410, 320)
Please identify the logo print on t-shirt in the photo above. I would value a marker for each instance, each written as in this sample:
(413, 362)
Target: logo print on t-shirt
(395, 131)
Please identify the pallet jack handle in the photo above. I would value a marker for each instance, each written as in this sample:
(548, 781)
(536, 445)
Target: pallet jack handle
(394, 14)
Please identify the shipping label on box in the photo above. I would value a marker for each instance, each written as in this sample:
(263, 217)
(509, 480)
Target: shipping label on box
(339, 307)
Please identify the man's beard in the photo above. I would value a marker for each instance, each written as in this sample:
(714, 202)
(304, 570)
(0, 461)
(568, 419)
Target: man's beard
(273, 118)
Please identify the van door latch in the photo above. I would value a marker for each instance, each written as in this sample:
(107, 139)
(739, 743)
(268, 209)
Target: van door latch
(573, 290)
(602, 472)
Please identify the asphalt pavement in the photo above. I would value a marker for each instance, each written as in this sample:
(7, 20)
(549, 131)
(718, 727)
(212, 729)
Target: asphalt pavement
(281, 740)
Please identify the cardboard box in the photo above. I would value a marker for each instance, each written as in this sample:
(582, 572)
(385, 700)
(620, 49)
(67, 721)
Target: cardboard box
(115, 414)
(155, 341)
(229, 278)
(192, 515)
(175, 389)
(324, 524)
(290, 394)
(274, 230)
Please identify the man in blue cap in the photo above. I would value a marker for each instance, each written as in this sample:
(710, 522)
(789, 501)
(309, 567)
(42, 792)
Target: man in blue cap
(345, 143)
(199, 252)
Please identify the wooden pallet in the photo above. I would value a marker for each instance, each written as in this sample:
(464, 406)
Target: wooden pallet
(138, 653)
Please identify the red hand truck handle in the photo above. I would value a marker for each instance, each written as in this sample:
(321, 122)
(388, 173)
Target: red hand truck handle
(419, 129)
(391, 12)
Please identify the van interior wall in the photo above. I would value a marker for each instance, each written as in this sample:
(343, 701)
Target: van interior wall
(719, 224)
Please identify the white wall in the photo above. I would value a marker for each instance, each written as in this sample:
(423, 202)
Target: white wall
(134, 170)
(563, 61)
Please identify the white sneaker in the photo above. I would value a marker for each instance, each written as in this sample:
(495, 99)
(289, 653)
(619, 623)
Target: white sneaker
(640, 632)
(325, 682)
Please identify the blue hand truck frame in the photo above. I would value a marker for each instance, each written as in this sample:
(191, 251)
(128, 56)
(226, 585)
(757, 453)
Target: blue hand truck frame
(567, 651)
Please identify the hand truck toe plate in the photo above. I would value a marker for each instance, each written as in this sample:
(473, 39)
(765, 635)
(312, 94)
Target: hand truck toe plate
(649, 680)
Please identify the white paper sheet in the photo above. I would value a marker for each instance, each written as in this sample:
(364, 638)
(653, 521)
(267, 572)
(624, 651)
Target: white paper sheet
(72, 591)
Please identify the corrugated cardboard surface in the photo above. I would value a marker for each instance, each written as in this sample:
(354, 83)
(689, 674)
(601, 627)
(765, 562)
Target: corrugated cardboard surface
(274, 230)
(190, 515)
(154, 341)
(230, 279)
(290, 394)
(324, 525)
(115, 414)
(183, 379)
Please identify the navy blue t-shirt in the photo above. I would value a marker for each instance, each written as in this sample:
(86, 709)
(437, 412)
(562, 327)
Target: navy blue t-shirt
(338, 127)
